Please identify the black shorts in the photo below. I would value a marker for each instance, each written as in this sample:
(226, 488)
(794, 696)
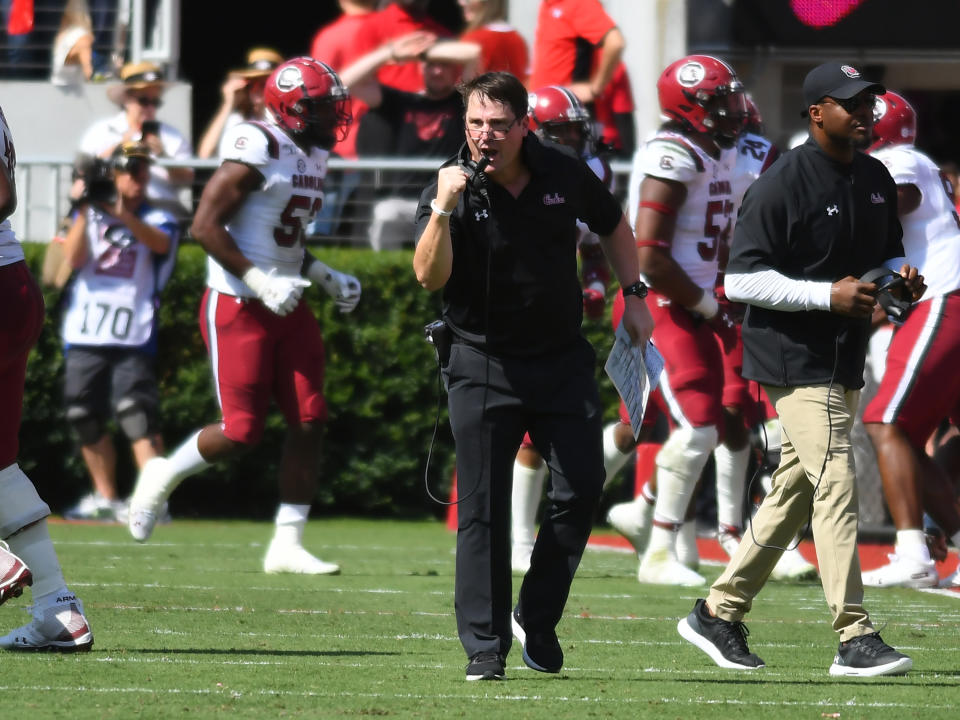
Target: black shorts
(99, 378)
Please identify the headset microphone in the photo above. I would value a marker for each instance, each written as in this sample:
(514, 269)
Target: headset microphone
(890, 292)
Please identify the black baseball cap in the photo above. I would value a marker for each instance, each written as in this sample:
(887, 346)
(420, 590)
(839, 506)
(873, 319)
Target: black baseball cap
(837, 80)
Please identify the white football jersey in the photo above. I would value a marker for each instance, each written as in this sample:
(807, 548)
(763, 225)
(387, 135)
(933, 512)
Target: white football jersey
(754, 155)
(113, 297)
(10, 250)
(705, 220)
(269, 226)
(931, 233)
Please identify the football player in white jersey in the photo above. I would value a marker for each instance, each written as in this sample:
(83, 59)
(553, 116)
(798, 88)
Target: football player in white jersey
(263, 342)
(920, 385)
(122, 250)
(682, 202)
(58, 620)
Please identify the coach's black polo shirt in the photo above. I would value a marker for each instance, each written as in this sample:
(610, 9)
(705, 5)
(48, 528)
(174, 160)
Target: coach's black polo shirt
(535, 299)
(812, 218)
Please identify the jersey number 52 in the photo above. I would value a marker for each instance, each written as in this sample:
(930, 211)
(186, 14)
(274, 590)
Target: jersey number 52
(298, 211)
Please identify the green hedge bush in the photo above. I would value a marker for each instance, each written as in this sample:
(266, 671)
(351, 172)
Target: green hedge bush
(381, 389)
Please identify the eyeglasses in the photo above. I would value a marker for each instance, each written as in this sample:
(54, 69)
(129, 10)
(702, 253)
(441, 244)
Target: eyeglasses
(497, 130)
(851, 105)
(144, 101)
(135, 166)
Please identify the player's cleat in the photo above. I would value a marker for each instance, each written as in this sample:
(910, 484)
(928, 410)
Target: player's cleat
(59, 626)
(869, 656)
(520, 557)
(289, 558)
(661, 567)
(541, 650)
(687, 552)
(147, 504)
(792, 565)
(724, 641)
(14, 574)
(94, 506)
(903, 572)
(485, 666)
(729, 539)
(633, 520)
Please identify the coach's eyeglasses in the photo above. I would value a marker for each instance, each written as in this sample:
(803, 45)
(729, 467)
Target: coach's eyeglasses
(497, 130)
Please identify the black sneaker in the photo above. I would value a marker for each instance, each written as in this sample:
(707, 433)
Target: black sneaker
(869, 656)
(541, 651)
(485, 666)
(725, 642)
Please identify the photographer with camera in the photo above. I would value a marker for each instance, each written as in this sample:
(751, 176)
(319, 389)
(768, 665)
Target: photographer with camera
(497, 232)
(123, 251)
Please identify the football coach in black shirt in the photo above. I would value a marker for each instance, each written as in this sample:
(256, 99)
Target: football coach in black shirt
(501, 243)
(816, 221)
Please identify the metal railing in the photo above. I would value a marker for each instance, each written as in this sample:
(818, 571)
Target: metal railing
(356, 191)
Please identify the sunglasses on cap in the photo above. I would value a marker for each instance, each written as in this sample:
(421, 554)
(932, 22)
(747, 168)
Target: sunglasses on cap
(851, 105)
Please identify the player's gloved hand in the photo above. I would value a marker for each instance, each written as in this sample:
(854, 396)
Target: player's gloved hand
(280, 293)
(343, 288)
(594, 301)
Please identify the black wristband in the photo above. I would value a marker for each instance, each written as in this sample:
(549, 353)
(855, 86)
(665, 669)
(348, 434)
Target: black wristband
(639, 288)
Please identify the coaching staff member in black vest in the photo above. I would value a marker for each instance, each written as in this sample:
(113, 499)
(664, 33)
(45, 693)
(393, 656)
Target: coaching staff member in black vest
(818, 219)
(504, 252)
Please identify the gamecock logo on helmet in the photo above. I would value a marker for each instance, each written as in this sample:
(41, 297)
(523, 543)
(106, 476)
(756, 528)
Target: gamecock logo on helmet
(289, 78)
(690, 74)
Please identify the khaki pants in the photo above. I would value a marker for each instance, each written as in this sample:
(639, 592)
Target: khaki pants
(809, 448)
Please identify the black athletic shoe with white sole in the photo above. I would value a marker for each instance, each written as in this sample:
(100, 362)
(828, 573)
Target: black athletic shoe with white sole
(725, 642)
(541, 650)
(869, 656)
(485, 666)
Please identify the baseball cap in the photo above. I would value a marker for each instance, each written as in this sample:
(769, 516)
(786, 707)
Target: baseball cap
(838, 80)
(129, 156)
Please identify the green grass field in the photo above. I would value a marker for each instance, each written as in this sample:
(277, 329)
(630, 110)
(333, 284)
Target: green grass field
(187, 625)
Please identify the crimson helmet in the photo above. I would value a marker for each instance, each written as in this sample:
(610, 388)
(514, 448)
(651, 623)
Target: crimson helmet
(894, 121)
(556, 114)
(703, 94)
(754, 121)
(306, 98)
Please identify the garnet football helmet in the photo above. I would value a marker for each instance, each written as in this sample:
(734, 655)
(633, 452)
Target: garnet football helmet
(556, 114)
(306, 98)
(754, 121)
(703, 94)
(894, 121)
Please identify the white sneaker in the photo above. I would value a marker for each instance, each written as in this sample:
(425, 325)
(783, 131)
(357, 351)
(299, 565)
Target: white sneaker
(59, 626)
(14, 574)
(903, 572)
(660, 567)
(792, 565)
(687, 552)
(633, 520)
(147, 503)
(92, 506)
(520, 557)
(729, 539)
(286, 558)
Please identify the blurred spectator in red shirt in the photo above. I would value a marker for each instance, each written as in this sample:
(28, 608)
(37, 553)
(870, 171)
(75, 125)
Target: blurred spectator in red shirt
(502, 47)
(560, 25)
(401, 17)
(339, 44)
(613, 111)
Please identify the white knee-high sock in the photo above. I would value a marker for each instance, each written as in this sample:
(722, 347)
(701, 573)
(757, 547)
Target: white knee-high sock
(731, 479)
(186, 460)
(290, 522)
(525, 499)
(673, 496)
(34, 546)
(613, 458)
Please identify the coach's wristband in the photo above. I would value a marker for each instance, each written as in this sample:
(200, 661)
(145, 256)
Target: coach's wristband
(439, 210)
